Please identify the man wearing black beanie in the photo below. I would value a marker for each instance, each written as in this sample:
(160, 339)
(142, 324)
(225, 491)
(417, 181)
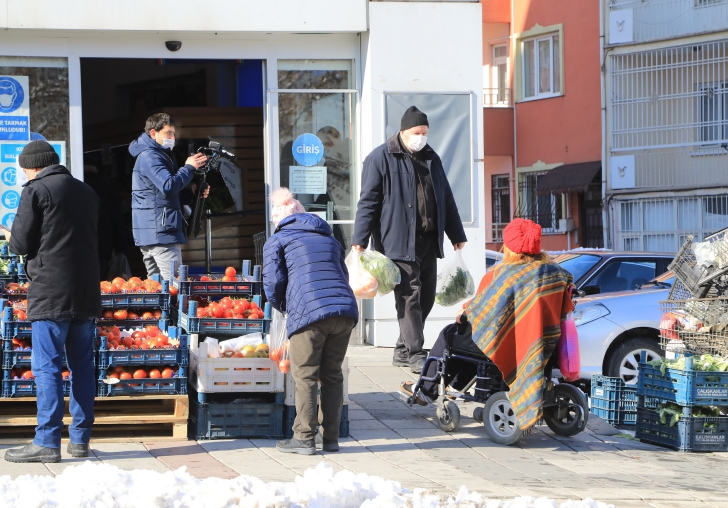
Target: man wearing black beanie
(406, 206)
(56, 228)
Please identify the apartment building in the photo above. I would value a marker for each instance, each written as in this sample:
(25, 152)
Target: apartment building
(541, 119)
(665, 109)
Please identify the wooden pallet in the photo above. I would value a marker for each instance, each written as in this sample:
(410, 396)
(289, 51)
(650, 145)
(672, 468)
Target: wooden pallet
(116, 419)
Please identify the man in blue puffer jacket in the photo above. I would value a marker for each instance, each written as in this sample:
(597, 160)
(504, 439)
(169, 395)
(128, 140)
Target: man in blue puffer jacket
(156, 182)
(304, 275)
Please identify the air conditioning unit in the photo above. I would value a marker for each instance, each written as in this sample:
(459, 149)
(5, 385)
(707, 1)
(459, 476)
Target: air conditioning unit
(566, 225)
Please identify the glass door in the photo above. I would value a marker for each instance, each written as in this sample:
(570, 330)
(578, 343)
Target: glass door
(316, 142)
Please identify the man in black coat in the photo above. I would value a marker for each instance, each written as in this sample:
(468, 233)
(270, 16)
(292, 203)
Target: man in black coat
(56, 228)
(406, 206)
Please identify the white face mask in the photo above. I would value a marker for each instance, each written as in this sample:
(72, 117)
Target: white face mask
(168, 143)
(416, 142)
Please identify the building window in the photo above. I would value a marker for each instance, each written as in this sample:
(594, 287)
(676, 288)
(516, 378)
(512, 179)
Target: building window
(499, 93)
(663, 224)
(545, 210)
(541, 60)
(714, 113)
(501, 202)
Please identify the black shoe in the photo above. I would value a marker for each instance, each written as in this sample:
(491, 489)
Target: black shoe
(325, 444)
(398, 361)
(77, 450)
(293, 445)
(406, 387)
(416, 365)
(33, 453)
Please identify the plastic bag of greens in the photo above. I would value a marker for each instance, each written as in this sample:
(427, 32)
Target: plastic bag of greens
(454, 283)
(383, 269)
(362, 282)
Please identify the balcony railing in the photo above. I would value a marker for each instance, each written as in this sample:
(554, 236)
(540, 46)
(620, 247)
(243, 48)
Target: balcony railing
(633, 21)
(497, 98)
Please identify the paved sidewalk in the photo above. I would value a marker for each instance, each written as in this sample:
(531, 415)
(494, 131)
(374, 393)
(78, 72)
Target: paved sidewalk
(391, 440)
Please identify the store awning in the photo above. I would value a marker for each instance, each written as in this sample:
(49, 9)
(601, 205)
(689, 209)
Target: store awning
(568, 178)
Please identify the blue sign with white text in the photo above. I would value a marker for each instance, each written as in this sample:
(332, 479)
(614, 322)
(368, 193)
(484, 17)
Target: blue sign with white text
(308, 149)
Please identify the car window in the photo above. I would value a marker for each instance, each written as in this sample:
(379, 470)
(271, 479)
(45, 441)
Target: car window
(624, 274)
(578, 264)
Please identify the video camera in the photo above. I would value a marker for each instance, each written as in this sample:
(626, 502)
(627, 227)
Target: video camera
(215, 154)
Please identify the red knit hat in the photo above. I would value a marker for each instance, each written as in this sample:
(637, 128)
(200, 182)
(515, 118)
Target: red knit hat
(523, 236)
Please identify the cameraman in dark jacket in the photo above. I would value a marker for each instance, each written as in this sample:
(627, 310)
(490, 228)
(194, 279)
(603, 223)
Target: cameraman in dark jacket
(157, 181)
(56, 228)
(406, 206)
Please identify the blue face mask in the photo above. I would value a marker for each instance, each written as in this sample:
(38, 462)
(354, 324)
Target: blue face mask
(168, 143)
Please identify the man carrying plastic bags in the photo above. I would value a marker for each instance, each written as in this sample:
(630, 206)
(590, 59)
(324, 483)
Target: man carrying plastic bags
(406, 206)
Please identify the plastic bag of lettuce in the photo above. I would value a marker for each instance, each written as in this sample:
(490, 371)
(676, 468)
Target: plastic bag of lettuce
(383, 269)
(454, 283)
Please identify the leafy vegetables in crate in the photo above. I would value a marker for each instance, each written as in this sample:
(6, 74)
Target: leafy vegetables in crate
(673, 412)
(704, 363)
(4, 266)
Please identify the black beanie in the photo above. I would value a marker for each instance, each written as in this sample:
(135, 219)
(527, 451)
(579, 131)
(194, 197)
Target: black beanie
(412, 118)
(38, 154)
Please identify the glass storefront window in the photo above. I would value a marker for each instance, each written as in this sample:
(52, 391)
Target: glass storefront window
(317, 74)
(33, 105)
(316, 136)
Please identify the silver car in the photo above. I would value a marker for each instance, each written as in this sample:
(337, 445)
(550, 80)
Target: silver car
(615, 328)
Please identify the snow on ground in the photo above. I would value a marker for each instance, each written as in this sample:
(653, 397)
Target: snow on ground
(99, 485)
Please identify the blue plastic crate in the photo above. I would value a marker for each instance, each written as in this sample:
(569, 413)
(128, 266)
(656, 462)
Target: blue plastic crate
(249, 285)
(176, 356)
(258, 416)
(616, 402)
(289, 416)
(137, 300)
(12, 359)
(226, 326)
(689, 434)
(10, 328)
(165, 386)
(25, 387)
(684, 387)
(123, 324)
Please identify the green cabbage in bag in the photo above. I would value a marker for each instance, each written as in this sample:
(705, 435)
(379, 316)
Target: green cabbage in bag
(455, 283)
(383, 269)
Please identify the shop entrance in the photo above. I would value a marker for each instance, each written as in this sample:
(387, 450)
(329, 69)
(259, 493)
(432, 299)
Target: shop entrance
(209, 100)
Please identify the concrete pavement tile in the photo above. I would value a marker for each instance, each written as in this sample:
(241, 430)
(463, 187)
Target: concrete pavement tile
(678, 504)
(226, 444)
(199, 463)
(368, 435)
(128, 456)
(359, 414)
(68, 461)
(366, 425)
(409, 423)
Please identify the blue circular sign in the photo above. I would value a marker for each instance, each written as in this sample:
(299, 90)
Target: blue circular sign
(12, 94)
(8, 176)
(11, 199)
(307, 149)
(8, 219)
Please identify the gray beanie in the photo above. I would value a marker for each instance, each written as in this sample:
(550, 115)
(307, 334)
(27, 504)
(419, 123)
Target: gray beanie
(38, 154)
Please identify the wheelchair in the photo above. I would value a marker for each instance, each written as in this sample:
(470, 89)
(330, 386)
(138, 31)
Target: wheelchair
(565, 408)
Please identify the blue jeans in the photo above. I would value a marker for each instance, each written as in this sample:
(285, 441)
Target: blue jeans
(49, 337)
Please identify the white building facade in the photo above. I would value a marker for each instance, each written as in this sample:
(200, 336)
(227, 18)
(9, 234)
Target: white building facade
(665, 121)
(385, 56)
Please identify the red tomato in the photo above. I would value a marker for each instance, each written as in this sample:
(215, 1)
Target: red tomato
(108, 314)
(152, 331)
(228, 314)
(118, 281)
(124, 375)
(167, 373)
(20, 315)
(230, 271)
(216, 311)
(127, 341)
(147, 315)
(121, 314)
(140, 374)
(253, 305)
(157, 314)
(201, 312)
(244, 304)
(173, 291)
(205, 278)
(228, 279)
(155, 374)
(227, 303)
(139, 334)
(133, 315)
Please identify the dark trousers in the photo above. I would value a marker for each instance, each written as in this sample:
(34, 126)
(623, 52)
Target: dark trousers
(459, 372)
(414, 298)
(317, 352)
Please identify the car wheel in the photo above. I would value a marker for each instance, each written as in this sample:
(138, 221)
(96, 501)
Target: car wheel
(624, 361)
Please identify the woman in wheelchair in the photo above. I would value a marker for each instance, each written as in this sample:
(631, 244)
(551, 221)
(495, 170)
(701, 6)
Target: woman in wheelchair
(502, 342)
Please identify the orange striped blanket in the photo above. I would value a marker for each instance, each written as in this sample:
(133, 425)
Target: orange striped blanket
(516, 319)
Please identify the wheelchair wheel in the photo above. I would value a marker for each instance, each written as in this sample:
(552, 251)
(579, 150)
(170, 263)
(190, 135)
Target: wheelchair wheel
(448, 419)
(500, 420)
(569, 423)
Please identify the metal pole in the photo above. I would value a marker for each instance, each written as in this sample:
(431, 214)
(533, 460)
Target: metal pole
(208, 241)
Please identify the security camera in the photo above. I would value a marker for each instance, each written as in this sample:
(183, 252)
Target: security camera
(173, 45)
